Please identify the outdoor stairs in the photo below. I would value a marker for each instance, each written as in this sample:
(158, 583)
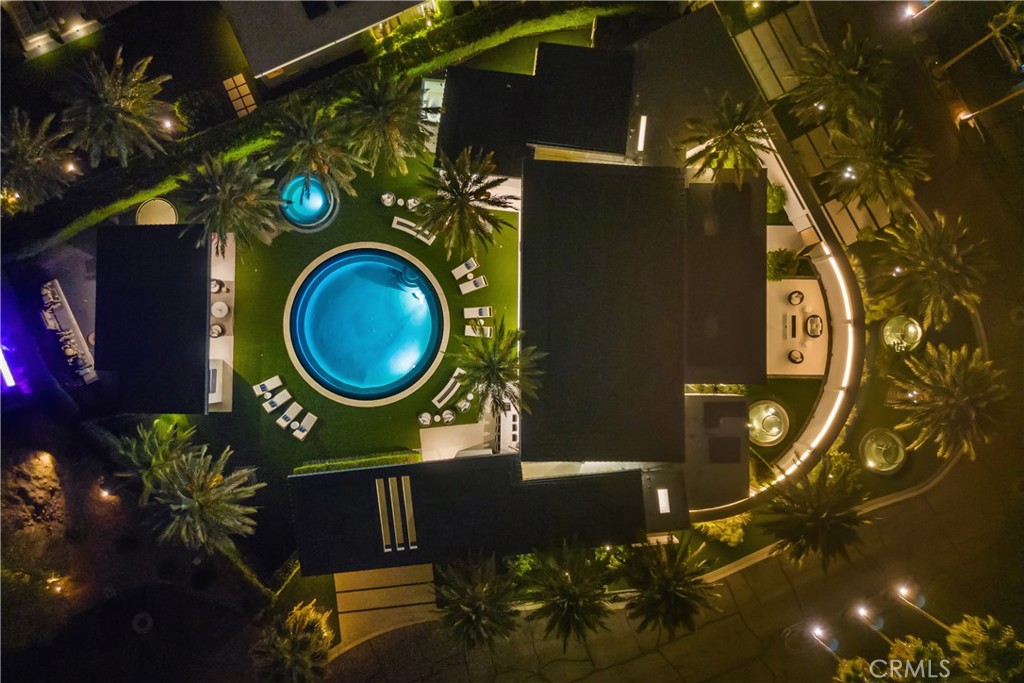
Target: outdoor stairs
(380, 600)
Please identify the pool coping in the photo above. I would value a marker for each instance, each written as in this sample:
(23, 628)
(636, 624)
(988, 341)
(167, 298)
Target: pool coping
(438, 356)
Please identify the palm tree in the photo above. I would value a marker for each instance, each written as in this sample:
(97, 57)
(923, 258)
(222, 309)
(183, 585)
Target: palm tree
(385, 119)
(313, 144)
(951, 397)
(457, 203)
(731, 138)
(932, 265)
(500, 371)
(294, 649)
(817, 515)
(670, 590)
(986, 650)
(35, 164)
(877, 160)
(913, 649)
(569, 584)
(152, 451)
(475, 601)
(841, 84)
(200, 507)
(857, 670)
(232, 197)
(114, 112)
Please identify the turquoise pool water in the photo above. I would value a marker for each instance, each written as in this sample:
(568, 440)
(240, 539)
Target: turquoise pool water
(366, 324)
(306, 210)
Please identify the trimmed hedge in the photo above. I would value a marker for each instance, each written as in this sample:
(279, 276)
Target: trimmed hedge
(404, 457)
(95, 199)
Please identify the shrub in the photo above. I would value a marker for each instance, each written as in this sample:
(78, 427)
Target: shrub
(729, 530)
(372, 460)
(777, 197)
(782, 263)
(200, 109)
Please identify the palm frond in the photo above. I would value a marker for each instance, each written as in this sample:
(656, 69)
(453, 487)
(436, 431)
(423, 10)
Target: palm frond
(731, 137)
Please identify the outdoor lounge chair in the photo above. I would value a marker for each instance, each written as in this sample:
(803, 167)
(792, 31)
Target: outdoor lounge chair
(460, 271)
(473, 285)
(479, 331)
(302, 431)
(273, 404)
(267, 385)
(408, 227)
(450, 389)
(478, 312)
(290, 414)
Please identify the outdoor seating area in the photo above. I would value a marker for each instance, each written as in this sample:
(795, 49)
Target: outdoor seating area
(797, 334)
(289, 418)
(411, 228)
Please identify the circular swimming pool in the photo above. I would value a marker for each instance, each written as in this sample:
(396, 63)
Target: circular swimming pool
(308, 210)
(365, 324)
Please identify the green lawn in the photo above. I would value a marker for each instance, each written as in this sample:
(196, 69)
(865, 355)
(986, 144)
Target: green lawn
(517, 56)
(264, 278)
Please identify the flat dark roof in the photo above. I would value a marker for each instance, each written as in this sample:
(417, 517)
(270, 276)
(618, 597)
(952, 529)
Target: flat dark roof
(456, 507)
(153, 317)
(601, 292)
(674, 67)
(726, 282)
(578, 98)
(717, 452)
(581, 98)
(485, 110)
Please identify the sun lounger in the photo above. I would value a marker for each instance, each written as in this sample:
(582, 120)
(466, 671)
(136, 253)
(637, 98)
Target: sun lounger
(463, 269)
(478, 312)
(273, 404)
(290, 414)
(479, 331)
(408, 227)
(473, 285)
(267, 385)
(302, 431)
(450, 389)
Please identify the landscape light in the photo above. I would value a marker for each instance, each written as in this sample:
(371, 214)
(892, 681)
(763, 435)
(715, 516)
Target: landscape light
(167, 124)
(818, 632)
(903, 591)
(862, 612)
(909, 11)
(71, 167)
(819, 106)
(17, 196)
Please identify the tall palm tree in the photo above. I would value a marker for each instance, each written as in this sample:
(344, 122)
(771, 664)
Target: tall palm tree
(153, 450)
(669, 585)
(731, 137)
(951, 397)
(385, 119)
(877, 159)
(570, 585)
(913, 649)
(115, 112)
(986, 650)
(35, 163)
(932, 265)
(856, 670)
(841, 84)
(475, 601)
(232, 197)
(294, 649)
(817, 515)
(457, 204)
(501, 370)
(314, 144)
(201, 507)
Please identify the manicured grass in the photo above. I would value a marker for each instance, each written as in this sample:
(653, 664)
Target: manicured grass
(518, 56)
(264, 279)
